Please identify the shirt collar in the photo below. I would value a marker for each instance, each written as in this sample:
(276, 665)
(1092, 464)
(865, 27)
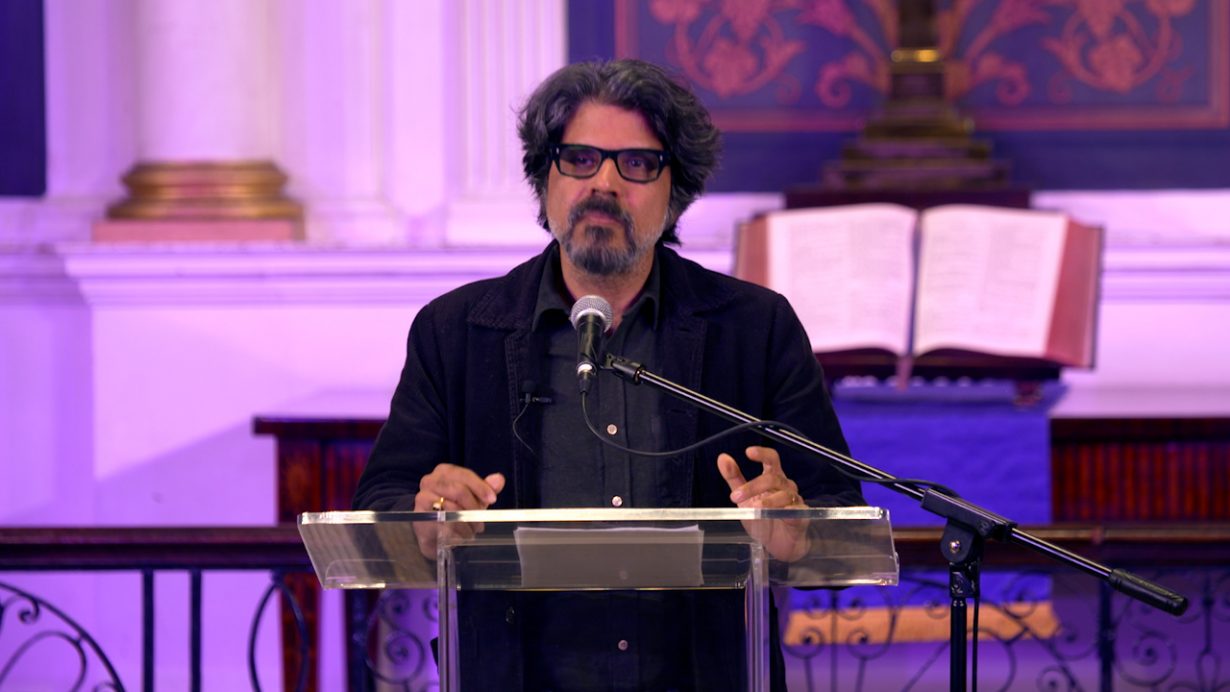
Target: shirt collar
(553, 298)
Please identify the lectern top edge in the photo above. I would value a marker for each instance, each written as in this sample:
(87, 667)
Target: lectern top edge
(595, 514)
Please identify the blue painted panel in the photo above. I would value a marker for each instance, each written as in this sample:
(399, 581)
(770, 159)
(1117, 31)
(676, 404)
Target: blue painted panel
(23, 138)
(1106, 95)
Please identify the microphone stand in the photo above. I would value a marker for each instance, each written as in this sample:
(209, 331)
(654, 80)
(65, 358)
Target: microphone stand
(968, 526)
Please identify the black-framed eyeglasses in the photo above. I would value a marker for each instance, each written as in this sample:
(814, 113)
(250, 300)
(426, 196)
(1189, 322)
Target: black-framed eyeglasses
(634, 165)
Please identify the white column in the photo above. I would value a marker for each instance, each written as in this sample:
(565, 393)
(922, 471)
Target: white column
(506, 49)
(418, 115)
(204, 81)
(204, 122)
(334, 138)
(399, 117)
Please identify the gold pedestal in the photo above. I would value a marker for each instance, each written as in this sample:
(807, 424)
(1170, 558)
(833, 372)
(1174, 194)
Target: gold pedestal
(918, 141)
(203, 201)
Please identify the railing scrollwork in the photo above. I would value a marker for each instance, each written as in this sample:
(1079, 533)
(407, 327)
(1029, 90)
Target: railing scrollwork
(278, 586)
(397, 640)
(28, 622)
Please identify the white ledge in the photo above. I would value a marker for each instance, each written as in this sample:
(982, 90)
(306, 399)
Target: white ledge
(245, 273)
(1166, 273)
(288, 273)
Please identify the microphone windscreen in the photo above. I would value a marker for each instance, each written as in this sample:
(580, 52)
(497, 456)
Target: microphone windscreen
(592, 306)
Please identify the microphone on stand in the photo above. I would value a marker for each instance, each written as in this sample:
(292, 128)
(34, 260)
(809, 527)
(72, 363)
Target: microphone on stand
(591, 317)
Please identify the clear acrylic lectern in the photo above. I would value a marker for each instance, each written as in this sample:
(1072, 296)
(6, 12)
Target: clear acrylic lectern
(603, 549)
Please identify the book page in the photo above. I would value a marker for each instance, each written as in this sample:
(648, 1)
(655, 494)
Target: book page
(848, 272)
(987, 279)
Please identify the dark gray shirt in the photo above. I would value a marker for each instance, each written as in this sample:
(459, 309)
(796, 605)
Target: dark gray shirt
(588, 640)
(577, 469)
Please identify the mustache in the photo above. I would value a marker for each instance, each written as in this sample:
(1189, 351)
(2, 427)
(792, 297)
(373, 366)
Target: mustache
(600, 205)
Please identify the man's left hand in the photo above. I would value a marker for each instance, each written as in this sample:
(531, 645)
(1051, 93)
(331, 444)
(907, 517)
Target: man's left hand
(785, 539)
(770, 490)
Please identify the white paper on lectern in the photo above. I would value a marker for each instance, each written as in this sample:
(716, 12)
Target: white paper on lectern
(618, 557)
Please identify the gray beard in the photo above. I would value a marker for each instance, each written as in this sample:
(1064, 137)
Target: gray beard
(600, 257)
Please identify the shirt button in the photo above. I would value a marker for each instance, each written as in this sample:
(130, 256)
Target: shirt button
(617, 501)
(623, 645)
(611, 429)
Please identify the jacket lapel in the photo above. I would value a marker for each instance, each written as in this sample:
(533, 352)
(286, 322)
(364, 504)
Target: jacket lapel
(506, 312)
(687, 296)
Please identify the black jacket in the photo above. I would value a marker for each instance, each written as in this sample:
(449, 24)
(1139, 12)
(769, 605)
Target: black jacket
(469, 351)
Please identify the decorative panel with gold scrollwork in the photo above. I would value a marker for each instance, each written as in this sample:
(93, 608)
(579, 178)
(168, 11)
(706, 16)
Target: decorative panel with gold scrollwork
(821, 65)
(1074, 94)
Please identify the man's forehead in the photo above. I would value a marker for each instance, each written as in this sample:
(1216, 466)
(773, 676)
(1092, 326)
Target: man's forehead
(597, 123)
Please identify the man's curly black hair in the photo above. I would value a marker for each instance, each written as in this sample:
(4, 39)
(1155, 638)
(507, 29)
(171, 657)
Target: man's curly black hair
(675, 115)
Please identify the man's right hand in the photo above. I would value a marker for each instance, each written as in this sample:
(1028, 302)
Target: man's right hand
(451, 488)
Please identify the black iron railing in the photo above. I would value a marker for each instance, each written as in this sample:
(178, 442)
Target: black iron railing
(27, 618)
(1039, 628)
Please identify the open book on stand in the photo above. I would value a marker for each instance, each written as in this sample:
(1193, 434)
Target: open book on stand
(933, 286)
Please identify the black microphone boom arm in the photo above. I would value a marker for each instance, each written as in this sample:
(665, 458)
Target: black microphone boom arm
(984, 523)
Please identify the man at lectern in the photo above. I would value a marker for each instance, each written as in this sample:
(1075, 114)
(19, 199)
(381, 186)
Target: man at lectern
(487, 413)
